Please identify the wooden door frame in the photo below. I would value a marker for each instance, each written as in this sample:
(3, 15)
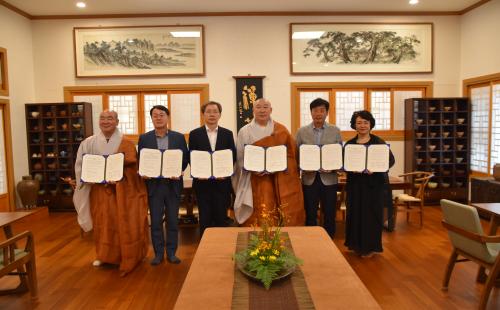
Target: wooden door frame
(9, 161)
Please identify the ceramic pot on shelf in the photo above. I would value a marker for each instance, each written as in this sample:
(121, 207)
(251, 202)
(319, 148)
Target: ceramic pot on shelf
(28, 189)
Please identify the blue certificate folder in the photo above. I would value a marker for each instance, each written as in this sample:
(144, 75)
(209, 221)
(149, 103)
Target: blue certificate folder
(102, 168)
(265, 159)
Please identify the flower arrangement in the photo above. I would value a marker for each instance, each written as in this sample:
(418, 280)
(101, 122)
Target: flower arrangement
(267, 258)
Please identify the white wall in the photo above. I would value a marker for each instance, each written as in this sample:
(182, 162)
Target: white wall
(480, 43)
(239, 46)
(16, 37)
(234, 46)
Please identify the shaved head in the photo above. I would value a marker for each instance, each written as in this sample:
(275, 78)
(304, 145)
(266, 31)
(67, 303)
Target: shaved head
(108, 121)
(262, 111)
(109, 112)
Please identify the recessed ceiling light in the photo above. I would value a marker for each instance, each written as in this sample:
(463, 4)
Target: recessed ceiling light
(307, 34)
(413, 2)
(81, 5)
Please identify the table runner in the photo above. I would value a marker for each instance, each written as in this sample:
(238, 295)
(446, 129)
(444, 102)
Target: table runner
(290, 293)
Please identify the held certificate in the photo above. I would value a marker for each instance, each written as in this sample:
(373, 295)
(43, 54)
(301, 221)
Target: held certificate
(316, 157)
(102, 168)
(268, 159)
(171, 164)
(378, 158)
(150, 163)
(218, 164)
(310, 157)
(154, 163)
(355, 157)
(331, 156)
(373, 158)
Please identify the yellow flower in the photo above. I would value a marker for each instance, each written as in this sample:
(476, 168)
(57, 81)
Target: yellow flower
(272, 258)
(276, 252)
(254, 253)
(262, 258)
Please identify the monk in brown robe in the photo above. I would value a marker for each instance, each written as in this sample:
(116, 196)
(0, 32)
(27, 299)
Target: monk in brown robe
(272, 190)
(117, 212)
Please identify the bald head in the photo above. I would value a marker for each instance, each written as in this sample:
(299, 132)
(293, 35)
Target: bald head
(262, 111)
(108, 121)
(109, 113)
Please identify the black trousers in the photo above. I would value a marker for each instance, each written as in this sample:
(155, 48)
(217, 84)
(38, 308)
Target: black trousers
(213, 199)
(327, 195)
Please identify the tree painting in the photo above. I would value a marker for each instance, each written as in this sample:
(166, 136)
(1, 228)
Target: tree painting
(138, 53)
(363, 47)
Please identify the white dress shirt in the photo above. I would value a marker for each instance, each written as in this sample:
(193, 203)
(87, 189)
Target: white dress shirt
(212, 136)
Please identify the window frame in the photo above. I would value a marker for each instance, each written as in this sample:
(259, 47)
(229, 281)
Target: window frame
(367, 87)
(140, 90)
(483, 81)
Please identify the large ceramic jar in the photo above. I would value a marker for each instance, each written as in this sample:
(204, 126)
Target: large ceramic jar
(496, 172)
(27, 189)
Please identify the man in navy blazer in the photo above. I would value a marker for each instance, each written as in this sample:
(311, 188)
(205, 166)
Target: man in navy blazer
(164, 194)
(213, 195)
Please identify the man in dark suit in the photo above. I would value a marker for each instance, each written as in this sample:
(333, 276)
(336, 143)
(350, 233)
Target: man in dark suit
(213, 195)
(164, 194)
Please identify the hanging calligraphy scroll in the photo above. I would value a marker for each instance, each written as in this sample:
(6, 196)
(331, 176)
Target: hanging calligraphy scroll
(248, 90)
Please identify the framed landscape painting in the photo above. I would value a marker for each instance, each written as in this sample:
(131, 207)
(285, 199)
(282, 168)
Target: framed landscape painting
(139, 51)
(4, 78)
(337, 48)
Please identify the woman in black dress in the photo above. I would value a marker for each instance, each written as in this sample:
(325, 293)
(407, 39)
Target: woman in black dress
(366, 194)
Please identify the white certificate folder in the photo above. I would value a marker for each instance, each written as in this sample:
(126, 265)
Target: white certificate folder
(208, 165)
(362, 158)
(154, 163)
(320, 157)
(265, 159)
(102, 168)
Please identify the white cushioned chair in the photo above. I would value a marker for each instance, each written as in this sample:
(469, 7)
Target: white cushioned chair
(468, 240)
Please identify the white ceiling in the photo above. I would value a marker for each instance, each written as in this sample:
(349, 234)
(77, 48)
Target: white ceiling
(67, 7)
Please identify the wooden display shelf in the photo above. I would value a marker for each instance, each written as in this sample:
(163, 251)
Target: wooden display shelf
(437, 139)
(56, 116)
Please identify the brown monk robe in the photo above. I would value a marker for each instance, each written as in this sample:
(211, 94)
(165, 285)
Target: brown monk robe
(280, 188)
(119, 215)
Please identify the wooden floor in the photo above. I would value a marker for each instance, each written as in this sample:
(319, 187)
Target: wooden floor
(406, 276)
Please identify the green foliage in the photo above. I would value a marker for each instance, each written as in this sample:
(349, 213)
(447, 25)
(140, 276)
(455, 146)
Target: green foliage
(267, 257)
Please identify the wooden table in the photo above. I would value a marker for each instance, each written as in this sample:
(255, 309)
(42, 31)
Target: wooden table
(6, 221)
(493, 209)
(9, 218)
(331, 281)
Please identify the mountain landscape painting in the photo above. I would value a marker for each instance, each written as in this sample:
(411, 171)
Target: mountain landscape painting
(162, 50)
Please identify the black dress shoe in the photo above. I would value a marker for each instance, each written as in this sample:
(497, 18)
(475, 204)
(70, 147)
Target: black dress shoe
(156, 261)
(173, 259)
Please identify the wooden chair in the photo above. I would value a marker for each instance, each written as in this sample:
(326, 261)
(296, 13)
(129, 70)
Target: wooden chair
(466, 236)
(12, 258)
(406, 203)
